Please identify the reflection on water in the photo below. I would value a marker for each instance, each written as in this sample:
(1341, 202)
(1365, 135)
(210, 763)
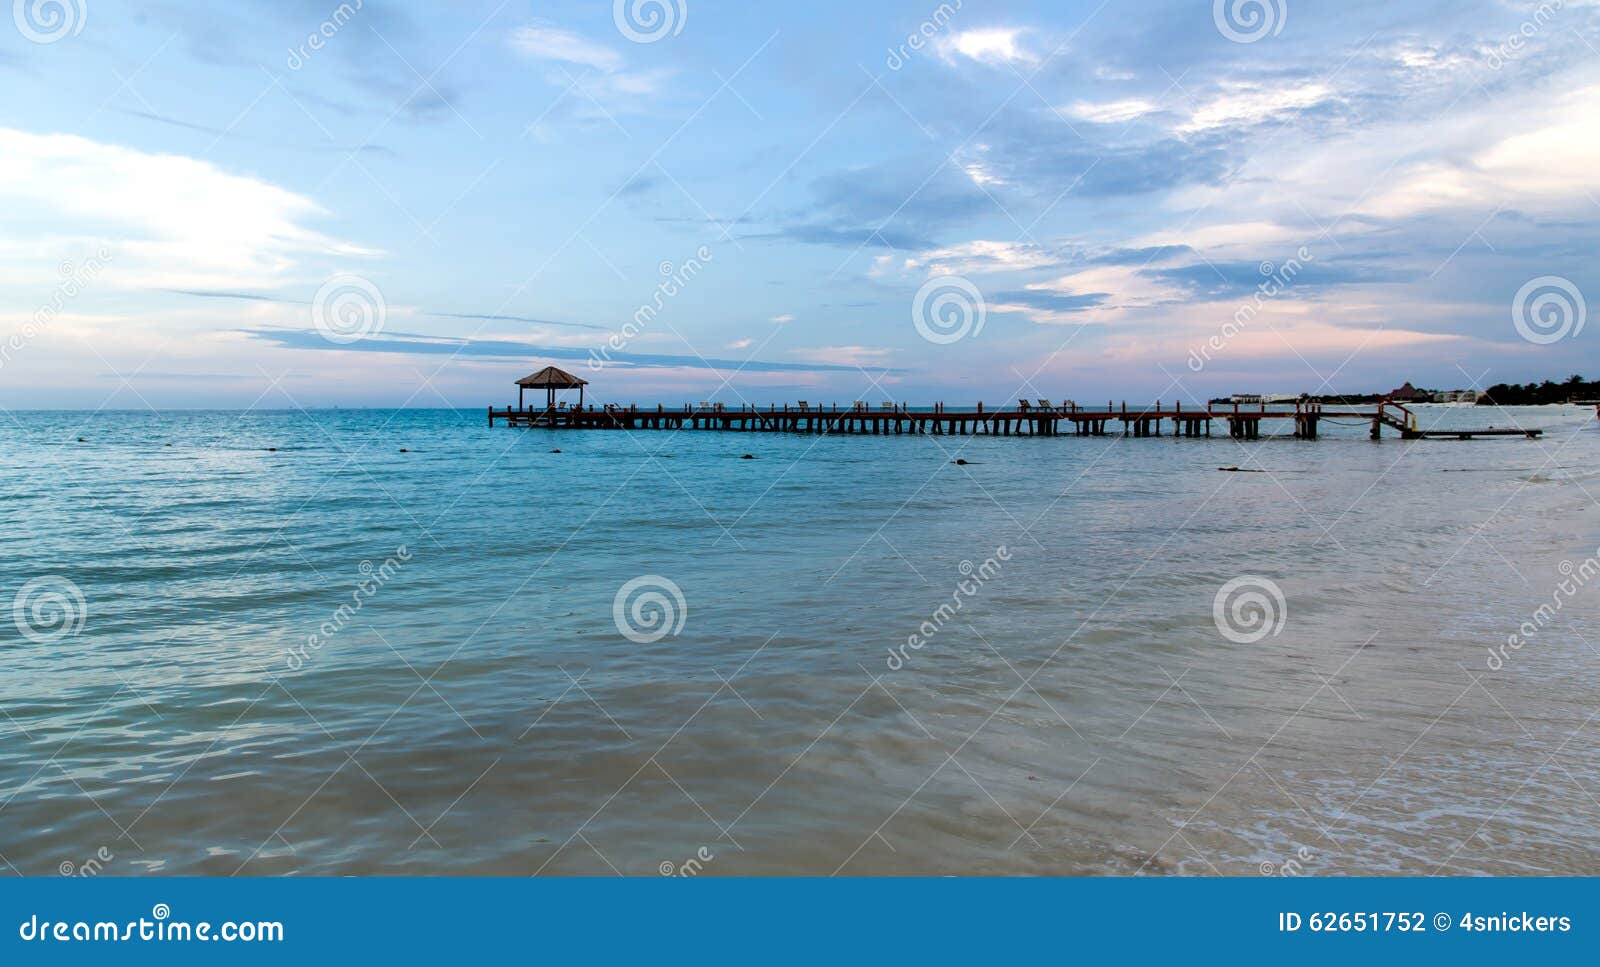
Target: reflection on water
(335, 657)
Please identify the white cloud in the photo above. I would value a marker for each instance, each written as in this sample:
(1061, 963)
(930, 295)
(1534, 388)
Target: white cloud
(842, 355)
(1111, 112)
(170, 221)
(1244, 104)
(545, 42)
(980, 256)
(740, 344)
(786, 317)
(991, 46)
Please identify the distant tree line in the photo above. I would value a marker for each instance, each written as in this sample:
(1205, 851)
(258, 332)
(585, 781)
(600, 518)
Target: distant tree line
(1536, 394)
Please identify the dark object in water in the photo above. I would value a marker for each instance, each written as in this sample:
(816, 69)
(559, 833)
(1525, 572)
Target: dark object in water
(1240, 470)
(747, 457)
(272, 449)
(960, 462)
(555, 451)
(82, 440)
(404, 450)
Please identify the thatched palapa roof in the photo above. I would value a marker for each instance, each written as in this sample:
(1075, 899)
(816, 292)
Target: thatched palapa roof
(551, 376)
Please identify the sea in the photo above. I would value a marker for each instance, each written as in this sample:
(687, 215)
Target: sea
(403, 642)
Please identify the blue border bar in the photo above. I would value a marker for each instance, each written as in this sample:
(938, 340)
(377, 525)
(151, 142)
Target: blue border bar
(885, 921)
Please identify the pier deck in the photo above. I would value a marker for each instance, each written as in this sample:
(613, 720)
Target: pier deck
(1243, 422)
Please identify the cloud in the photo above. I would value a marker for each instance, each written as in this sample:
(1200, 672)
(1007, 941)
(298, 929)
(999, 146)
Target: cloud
(981, 256)
(740, 344)
(606, 78)
(171, 222)
(1111, 112)
(1248, 103)
(785, 317)
(544, 42)
(990, 46)
(843, 357)
(421, 345)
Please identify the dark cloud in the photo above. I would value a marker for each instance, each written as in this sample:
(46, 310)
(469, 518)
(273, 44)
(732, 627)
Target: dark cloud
(1233, 278)
(418, 345)
(1052, 301)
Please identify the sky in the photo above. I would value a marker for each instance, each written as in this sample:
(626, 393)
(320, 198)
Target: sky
(301, 204)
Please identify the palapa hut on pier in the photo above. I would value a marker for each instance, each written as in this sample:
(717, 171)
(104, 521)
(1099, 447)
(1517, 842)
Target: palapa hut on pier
(550, 379)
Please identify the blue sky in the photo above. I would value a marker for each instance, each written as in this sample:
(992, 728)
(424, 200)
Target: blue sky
(203, 207)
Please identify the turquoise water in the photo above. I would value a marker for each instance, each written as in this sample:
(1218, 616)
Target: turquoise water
(482, 711)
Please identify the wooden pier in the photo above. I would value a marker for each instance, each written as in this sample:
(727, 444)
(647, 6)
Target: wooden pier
(1040, 419)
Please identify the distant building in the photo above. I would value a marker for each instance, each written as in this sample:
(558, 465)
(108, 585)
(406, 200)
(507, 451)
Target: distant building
(1456, 396)
(1263, 398)
(1408, 394)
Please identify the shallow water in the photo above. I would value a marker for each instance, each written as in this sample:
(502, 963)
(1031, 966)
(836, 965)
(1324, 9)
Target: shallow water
(482, 712)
